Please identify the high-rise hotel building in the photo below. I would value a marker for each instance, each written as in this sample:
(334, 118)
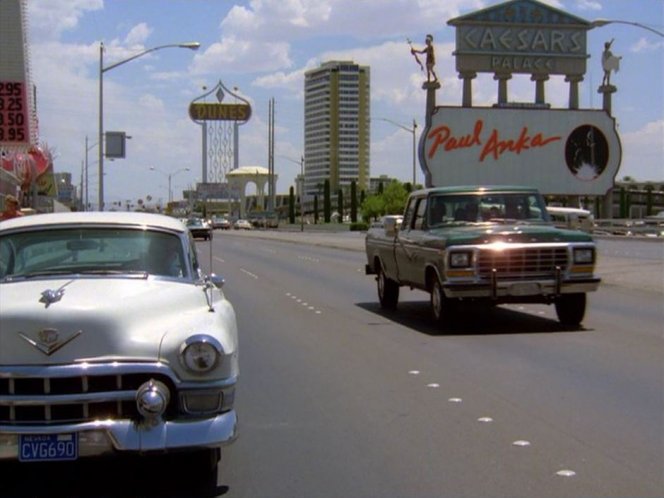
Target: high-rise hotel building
(336, 126)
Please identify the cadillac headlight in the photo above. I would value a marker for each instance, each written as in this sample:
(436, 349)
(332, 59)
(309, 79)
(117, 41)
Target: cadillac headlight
(584, 256)
(460, 259)
(201, 353)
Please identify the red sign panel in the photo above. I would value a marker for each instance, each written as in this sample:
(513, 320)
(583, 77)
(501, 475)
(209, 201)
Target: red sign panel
(14, 118)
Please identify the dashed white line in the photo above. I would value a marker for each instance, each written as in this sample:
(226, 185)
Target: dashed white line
(247, 272)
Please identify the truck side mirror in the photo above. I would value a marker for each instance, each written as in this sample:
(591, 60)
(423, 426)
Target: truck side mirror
(391, 226)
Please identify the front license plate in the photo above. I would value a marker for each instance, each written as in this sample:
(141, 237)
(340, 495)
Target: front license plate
(47, 447)
(525, 289)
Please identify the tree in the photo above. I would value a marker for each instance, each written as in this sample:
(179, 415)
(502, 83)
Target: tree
(316, 209)
(327, 202)
(649, 204)
(291, 205)
(353, 202)
(395, 196)
(372, 208)
(340, 205)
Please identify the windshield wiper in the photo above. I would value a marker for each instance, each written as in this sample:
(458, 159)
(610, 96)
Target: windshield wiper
(139, 273)
(50, 273)
(33, 274)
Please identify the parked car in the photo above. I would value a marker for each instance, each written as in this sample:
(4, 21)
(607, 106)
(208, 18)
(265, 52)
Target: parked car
(220, 222)
(242, 225)
(199, 228)
(574, 218)
(113, 341)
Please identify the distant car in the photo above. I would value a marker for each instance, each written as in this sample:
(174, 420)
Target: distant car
(220, 222)
(199, 229)
(113, 342)
(574, 218)
(242, 225)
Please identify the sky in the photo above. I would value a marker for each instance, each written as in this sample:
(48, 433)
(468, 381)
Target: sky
(264, 47)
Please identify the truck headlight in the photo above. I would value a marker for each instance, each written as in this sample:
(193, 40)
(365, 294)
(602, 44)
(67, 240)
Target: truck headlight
(584, 256)
(201, 353)
(460, 259)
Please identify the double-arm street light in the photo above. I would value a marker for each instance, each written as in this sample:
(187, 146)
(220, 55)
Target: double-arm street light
(598, 23)
(102, 70)
(412, 130)
(170, 176)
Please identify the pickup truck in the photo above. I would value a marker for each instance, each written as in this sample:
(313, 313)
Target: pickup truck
(483, 245)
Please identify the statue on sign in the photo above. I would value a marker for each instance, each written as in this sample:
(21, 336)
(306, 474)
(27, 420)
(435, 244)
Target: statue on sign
(430, 60)
(610, 63)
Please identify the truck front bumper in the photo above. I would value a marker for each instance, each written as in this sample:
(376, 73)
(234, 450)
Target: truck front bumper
(520, 290)
(104, 437)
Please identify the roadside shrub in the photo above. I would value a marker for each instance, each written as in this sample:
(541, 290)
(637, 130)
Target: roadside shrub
(359, 226)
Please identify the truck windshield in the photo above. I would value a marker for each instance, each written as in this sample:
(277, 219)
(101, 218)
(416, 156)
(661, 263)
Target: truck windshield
(481, 208)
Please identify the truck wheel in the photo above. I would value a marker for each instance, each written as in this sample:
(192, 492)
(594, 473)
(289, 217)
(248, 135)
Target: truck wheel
(438, 303)
(571, 308)
(388, 291)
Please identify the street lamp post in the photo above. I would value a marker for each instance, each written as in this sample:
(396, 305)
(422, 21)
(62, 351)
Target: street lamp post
(302, 178)
(170, 176)
(102, 70)
(598, 23)
(88, 148)
(409, 130)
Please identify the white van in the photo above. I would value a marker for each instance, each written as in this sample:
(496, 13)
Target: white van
(572, 218)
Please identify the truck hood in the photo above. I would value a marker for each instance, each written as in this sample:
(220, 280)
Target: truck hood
(94, 320)
(473, 234)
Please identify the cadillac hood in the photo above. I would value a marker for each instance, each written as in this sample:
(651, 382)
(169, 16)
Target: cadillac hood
(518, 233)
(63, 321)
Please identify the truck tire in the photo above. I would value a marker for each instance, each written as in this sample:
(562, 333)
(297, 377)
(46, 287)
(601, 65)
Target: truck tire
(571, 308)
(388, 290)
(438, 301)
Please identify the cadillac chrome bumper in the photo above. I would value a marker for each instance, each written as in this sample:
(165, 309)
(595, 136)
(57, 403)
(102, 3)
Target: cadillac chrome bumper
(109, 436)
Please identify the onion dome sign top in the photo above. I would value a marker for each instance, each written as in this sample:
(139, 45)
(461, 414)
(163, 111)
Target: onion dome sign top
(201, 110)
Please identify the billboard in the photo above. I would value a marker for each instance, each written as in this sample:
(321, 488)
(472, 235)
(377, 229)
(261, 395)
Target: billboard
(570, 152)
(17, 124)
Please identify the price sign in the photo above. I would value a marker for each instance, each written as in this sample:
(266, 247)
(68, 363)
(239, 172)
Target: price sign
(14, 122)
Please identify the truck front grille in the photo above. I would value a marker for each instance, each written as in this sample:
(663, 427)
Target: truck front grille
(49, 400)
(522, 263)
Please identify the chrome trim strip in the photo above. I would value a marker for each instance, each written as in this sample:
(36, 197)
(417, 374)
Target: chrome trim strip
(65, 399)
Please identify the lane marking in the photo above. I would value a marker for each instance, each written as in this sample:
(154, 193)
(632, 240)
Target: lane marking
(247, 272)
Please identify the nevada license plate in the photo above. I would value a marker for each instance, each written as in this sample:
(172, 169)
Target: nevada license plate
(47, 447)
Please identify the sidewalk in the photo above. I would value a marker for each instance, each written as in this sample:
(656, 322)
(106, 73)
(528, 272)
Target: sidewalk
(624, 272)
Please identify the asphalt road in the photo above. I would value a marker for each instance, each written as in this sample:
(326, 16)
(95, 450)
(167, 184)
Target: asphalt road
(338, 398)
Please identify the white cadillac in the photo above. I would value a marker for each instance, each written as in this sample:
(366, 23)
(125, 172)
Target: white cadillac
(112, 340)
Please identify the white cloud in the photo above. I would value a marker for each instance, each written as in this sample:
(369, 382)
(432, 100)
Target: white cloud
(236, 55)
(645, 150)
(138, 34)
(588, 5)
(49, 18)
(644, 45)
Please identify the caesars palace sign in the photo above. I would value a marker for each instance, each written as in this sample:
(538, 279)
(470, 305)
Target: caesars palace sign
(560, 151)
